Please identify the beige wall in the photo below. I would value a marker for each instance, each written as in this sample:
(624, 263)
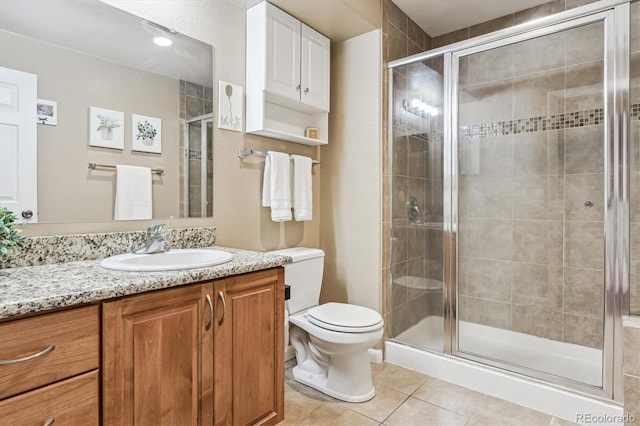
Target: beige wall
(351, 178)
(240, 220)
(67, 190)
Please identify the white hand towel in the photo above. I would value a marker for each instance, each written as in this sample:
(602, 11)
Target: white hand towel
(266, 183)
(279, 190)
(133, 193)
(302, 193)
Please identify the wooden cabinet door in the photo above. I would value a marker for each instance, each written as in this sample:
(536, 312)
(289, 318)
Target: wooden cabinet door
(283, 54)
(315, 69)
(249, 349)
(158, 357)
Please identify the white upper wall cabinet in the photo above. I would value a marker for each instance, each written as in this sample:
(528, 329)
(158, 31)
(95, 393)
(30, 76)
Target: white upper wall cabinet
(288, 65)
(283, 54)
(315, 68)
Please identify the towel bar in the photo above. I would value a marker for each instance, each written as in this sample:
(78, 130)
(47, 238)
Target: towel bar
(245, 152)
(93, 166)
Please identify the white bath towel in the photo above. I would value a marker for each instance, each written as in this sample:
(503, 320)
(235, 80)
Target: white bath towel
(302, 192)
(276, 190)
(133, 193)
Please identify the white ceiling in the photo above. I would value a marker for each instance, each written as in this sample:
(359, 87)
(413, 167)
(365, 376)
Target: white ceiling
(437, 17)
(342, 19)
(337, 19)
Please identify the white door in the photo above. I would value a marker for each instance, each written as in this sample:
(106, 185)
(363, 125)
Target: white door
(18, 143)
(316, 52)
(283, 54)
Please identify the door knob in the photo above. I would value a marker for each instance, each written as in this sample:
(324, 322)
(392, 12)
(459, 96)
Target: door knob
(27, 214)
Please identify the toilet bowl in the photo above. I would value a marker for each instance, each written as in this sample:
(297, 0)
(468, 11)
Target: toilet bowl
(331, 341)
(332, 355)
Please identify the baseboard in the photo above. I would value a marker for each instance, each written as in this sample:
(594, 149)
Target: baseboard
(375, 356)
(289, 353)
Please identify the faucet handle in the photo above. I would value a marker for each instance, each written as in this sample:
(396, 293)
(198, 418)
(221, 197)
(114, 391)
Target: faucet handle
(155, 229)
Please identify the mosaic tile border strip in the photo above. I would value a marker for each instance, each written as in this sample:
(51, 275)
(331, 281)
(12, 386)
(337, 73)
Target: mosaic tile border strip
(567, 120)
(196, 154)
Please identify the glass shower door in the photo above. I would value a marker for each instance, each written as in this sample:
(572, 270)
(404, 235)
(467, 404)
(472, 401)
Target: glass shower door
(417, 205)
(530, 201)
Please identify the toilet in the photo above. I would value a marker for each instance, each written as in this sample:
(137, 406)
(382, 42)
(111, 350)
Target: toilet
(331, 341)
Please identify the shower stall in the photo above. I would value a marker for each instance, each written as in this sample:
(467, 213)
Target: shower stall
(198, 182)
(515, 202)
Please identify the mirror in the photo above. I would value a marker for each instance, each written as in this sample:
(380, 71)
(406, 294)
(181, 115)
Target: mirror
(90, 57)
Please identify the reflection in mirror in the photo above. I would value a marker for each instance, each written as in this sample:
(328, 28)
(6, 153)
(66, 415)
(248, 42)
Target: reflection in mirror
(200, 166)
(88, 54)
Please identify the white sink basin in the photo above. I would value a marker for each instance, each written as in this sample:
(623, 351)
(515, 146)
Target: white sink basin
(167, 261)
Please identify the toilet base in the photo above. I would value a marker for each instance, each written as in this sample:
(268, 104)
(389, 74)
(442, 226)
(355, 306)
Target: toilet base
(319, 382)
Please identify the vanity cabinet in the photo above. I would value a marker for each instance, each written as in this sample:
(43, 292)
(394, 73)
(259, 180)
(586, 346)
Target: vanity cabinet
(49, 368)
(288, 67)
(249, 349)
(157, 357)
(210, 353)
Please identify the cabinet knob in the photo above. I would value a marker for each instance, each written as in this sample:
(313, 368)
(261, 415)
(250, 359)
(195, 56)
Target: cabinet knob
(306, 90)
(298, 88)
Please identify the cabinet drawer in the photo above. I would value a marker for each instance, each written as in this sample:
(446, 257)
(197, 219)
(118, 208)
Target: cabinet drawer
(74, 336)
(70, 402)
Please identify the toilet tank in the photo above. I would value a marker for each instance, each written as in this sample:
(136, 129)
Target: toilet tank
(304, 276)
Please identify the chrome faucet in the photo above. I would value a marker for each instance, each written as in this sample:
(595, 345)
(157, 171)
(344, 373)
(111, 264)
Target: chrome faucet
(155, 242)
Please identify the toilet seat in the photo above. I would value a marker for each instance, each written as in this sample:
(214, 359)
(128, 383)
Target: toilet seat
(344, 318)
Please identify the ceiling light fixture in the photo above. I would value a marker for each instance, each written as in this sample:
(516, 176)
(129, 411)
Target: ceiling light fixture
(419, 108)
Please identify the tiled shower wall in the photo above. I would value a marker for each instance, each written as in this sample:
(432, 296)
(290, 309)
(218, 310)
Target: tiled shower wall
(401, 37)
(531, 151)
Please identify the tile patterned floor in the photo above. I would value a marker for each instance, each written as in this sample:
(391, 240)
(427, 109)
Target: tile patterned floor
(404, 398)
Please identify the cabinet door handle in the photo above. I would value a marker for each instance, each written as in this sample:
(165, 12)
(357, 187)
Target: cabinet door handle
(306, 90)
(298, 87)
(49, 422)
(224, 307)
(210, 323)
(28, 357)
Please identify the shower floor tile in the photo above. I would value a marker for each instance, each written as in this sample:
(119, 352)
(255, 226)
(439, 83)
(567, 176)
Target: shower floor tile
(403, 398)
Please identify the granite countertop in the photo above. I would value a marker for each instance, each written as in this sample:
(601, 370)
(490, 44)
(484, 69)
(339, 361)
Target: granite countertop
(32, 289)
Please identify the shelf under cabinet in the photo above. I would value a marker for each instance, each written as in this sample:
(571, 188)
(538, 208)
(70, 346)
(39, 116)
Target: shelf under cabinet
(277, 134)
(280, 122)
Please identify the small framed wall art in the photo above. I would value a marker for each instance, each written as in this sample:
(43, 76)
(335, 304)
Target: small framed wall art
(106, 128)
(47, 112)
(146, 134)
(230, 106)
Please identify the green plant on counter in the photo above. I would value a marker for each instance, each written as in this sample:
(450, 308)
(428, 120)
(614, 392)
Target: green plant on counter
(9, 236)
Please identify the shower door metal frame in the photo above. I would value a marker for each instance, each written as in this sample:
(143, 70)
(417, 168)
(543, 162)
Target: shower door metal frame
(615, 15)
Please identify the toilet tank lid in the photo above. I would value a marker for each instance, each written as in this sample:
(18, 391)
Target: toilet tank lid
(299, 253)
